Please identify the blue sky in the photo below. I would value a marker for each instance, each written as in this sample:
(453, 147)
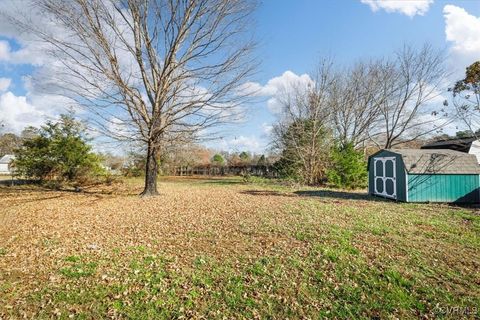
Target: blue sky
(293, 35)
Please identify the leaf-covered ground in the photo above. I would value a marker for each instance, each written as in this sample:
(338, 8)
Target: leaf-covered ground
(223, 249)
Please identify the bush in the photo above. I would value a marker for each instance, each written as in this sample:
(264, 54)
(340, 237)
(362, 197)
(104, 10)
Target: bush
(348, 168)
(218, 160)
(132, 172)
(288, 169)
(58, 154)
(135, 167)
(246, 176)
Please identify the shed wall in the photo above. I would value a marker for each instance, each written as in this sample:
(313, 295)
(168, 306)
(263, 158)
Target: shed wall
(460, 188)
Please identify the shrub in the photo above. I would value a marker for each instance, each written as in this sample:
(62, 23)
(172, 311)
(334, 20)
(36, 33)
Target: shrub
(218, 160)
(348, 168)
(246, 176)
(135, 166)
(288, 169)
(132, 172)
(59, 153)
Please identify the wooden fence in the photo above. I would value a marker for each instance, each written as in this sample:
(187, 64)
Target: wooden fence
(254, 170)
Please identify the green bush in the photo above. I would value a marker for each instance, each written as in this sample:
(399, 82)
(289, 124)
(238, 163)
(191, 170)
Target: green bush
(58, 154)
(288, 169)
(348, 168)
(218, 160)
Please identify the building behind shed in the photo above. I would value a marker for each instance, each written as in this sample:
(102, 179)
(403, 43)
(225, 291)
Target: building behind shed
(5, 164)
(469, 145)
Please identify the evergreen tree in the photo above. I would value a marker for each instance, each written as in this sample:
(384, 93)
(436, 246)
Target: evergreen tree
(262, 161)
(59, 153)
(348, 168)
(218, 160)
(245, 157)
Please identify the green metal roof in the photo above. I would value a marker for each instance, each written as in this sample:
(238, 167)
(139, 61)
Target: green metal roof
(438, 161)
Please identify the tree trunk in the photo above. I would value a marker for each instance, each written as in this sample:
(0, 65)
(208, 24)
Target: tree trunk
(151, 172)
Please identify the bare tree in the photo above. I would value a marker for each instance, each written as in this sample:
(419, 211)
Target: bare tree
(355, 102)
(9, 142)
(389, 101)
(185, 155)
(303, 130)
(153, 71)
(466, 99)
(410, 81)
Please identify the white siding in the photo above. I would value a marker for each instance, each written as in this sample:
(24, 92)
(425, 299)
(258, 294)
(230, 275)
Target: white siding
(475, 149)
(4, 168)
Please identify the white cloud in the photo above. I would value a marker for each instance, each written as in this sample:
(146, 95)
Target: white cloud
(242, 143)
(406, 7)
(25, 55)
(253, 89)
(239, 143)
(267, 128)
(32, 109)
(5, 84)
(463, 30)
(287, 81)
(4, 50)
(16, 112)
(45, 99)
(30, 51)
(276, 87)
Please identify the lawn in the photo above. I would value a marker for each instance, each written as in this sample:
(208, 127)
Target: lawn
(222, 249)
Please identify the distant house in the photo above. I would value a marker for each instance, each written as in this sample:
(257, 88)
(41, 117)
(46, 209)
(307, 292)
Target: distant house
(421, 175)
(469, 145)
(5, 162)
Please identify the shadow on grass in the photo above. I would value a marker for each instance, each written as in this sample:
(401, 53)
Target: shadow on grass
(470, 206)
(17, 182)
(222, 181)
(268, 193)
(99, 191)
(337, 194)
(331, 194)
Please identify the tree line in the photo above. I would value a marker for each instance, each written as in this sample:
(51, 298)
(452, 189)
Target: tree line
(59, 153)
(164, 73)
(326, 127)
(307, 143)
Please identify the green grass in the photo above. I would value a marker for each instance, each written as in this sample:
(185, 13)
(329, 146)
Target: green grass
(333, 278)
(76, 267)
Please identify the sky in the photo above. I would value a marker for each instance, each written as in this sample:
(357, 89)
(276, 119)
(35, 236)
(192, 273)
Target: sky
(292, 36)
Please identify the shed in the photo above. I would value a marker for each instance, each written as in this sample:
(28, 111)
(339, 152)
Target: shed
(5, 162)
(424, 175)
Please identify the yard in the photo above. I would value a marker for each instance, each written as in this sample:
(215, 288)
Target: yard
(220, 248)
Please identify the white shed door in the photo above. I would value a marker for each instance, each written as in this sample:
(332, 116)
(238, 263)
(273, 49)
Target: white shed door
(385, 180)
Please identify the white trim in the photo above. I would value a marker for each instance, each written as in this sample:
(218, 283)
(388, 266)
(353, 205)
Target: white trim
(384, 177)
(406, 186)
